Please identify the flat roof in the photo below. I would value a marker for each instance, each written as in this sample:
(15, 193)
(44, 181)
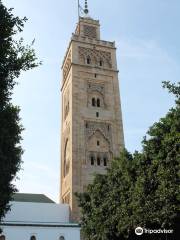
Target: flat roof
(31, 197)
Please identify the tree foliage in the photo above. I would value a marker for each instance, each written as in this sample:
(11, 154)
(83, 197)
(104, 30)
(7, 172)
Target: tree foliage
(140, 189)
(14, 58)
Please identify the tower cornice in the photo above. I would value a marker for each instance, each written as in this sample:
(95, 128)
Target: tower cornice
(89, 41)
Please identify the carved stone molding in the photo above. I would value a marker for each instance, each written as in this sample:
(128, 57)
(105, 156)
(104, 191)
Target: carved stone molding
(91, 127)
(66, 104)
(96, 56)
(95, 87)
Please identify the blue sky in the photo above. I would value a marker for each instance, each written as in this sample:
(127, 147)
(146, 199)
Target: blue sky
(148, 52)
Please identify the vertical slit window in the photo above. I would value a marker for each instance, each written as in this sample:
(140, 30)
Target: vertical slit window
(98, 161)
(88, 60)
(93, 102)
(105, 161)
(92, 160)
(98, 102)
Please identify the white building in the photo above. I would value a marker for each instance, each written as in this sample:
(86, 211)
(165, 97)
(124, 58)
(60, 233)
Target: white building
(36, 217)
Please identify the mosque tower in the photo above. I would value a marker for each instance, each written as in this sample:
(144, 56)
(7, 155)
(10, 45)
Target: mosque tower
(92, 130)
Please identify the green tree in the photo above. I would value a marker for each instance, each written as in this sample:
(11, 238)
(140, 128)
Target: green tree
(140, 189)
(14, 58)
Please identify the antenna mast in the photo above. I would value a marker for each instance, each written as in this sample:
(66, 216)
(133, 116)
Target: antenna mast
(78, 10)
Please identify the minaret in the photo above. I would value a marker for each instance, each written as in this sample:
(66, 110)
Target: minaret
(92, 130)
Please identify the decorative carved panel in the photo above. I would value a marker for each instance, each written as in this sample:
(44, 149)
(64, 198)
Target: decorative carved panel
(66, 104)
(67, 66)
(94, 87)
(66, 151)
(66, 198)
(105, 129)
(96, 91)
(96, 56)
(90, 31)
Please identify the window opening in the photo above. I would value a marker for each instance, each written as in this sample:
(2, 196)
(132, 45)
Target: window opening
(98, 102)
(98, 161)
(93, 102)
(92, 160)
(88, 60)
(105, 162)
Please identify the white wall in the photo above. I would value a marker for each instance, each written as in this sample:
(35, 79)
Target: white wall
(38, 212)
(41, 233)
(42, 214)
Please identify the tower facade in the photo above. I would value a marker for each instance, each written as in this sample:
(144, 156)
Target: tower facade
(92, 130)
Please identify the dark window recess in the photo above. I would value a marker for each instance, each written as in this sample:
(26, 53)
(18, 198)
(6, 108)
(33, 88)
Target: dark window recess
(108, 127)
(101, 63)
(88, 60)
(92, 160)
(97, 114)
(98, 143)
(33, 238)
(95, 75)
(86, 125)
(105, 162)
(62, 238)
(98, 161)
(93, 102)
(98, 102)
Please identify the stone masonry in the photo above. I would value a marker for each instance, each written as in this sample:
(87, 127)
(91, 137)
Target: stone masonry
(92, 130)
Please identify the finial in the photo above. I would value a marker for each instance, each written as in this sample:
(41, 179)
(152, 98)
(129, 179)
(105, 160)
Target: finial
(86, 11)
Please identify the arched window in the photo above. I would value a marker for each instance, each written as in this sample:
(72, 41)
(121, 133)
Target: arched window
(92, 160)
(62, 238)
(93, 102)
(66, 160)
(2, 237)
(33, 238)
(100, 63)
(88, 60)
(98, 102)
(98, 161)
(105, 161)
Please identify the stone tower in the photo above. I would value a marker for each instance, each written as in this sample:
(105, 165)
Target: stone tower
(92, 131)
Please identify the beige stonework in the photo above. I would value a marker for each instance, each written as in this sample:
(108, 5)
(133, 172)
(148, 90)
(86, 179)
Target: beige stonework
(92, 130)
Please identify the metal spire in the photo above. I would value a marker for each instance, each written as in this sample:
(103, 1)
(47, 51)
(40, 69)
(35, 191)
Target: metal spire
(86, 11)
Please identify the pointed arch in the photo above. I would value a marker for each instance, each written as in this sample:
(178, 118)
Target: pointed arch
(66, 160)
